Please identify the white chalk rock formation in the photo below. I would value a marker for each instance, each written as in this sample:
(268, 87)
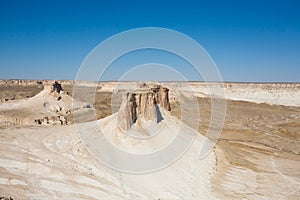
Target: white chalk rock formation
(142, 105)
(49, 107)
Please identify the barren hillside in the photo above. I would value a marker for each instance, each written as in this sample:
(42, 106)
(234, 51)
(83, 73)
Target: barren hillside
(256, 157)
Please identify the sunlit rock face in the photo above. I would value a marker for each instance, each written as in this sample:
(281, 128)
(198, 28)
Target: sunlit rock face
(142, 104)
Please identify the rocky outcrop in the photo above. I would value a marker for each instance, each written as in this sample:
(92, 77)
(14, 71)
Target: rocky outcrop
(162, 97)
(54, 120)
(56, 89)
(49, 107)
(6, 198)
(142, 104)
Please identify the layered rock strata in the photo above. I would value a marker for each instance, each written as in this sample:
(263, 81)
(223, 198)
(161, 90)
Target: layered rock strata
(142, 104)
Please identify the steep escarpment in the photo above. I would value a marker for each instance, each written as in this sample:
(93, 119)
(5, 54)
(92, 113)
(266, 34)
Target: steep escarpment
(287, 94)
(142, 104)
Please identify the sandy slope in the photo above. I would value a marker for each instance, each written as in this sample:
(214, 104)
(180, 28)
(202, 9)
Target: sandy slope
(256, 157)
(52, 163)
(44, 104)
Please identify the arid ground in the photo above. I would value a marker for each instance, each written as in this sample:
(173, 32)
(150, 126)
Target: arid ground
(256, 157)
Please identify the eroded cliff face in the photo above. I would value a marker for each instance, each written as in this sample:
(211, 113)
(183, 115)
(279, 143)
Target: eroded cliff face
(142, 104)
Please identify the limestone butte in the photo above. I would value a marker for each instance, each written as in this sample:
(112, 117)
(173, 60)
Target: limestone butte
(143, 104)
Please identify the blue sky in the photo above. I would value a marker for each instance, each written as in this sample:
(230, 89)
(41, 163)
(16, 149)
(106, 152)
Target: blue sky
(248, 40)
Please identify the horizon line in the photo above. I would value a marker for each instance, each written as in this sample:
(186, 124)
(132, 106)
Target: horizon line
(128, 81)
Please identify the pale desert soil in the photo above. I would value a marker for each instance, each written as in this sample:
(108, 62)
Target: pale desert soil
(256, 157)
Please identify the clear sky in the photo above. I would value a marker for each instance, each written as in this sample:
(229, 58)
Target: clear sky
(248, 40)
